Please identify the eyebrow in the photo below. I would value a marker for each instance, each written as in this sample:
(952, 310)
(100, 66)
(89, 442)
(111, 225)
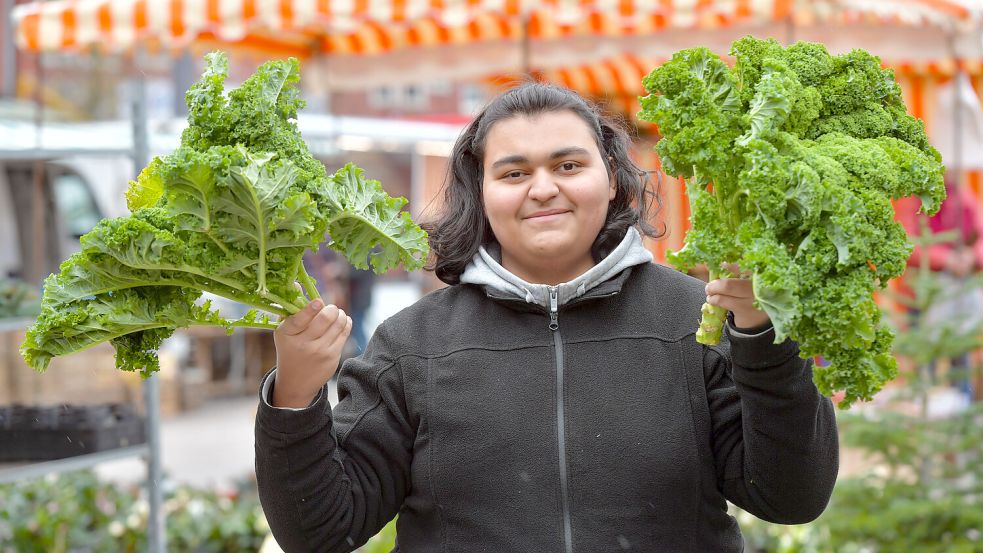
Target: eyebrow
(563, 152)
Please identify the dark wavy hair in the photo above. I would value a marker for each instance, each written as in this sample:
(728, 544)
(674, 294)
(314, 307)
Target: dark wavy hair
(462, 225)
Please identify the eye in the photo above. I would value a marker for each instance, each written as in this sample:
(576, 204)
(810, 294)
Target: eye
(512, 175)
(569, 166)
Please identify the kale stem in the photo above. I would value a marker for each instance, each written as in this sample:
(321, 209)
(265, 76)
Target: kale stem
(309, 284)
(238, 323)
(288, 306)
(712, 322)
(268, 307)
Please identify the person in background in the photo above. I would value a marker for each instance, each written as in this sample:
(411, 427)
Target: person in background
(954, 262)
(553, 396)
(330, 270)
(361, 283)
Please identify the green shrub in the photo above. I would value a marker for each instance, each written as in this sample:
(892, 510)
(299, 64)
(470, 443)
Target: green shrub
(78, 513)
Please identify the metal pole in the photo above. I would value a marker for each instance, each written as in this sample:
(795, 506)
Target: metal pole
(156, 533)
(8, 64)
(39, 204)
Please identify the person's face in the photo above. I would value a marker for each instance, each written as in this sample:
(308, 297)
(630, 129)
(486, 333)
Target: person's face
(546, 194)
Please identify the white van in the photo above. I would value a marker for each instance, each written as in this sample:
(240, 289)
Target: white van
(47, 204)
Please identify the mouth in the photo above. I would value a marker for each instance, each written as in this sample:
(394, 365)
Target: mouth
(547, 214)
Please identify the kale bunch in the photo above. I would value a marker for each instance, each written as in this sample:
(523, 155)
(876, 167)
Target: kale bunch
(231, 212)
(792, 158)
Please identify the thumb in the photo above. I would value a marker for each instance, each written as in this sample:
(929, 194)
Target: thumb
(298, 322)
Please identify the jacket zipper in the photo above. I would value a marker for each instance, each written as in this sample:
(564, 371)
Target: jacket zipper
(560, 421)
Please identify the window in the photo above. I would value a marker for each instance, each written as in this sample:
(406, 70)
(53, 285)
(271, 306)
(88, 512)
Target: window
(381, 98)
(414, 98)
(441, 87)
(76, 208)
(471, 99)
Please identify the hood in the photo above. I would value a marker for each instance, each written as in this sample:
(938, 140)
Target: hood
(485, 269)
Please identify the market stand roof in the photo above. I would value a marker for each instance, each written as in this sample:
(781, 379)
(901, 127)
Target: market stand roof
(372, 42)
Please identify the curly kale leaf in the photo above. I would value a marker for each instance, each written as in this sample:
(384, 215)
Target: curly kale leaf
(698, 112)
(231, 212)
(371, 224)
(792, 178)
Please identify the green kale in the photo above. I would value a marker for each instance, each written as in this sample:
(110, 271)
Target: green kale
(231, 212)
(792, 158)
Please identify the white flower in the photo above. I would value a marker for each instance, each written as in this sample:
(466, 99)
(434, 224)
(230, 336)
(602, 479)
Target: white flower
(196, 507)
(116, 528)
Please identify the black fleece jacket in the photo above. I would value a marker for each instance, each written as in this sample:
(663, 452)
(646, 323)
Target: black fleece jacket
(486, 431)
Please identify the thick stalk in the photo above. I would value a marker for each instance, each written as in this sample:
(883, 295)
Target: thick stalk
(227, 293)
(712, 323)
(269, 307)
(287, 307)
(309, 284)
(239, 323)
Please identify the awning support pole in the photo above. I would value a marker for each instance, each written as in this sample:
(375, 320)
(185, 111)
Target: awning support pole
(156, 531)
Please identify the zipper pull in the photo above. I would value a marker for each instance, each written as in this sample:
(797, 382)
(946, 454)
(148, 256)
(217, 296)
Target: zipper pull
(554, 325)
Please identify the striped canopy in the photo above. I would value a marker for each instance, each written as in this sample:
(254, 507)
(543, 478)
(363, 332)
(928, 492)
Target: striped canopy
(364, 43)
(306, 27)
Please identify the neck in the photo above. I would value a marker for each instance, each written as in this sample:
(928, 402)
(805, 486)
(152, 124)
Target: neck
(550, 272)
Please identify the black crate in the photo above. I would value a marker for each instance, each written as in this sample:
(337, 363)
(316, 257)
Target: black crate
(32, 433)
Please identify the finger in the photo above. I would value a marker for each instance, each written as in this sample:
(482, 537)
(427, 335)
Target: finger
(735, 270)
(321, 323)
(298, 322)
(342, 336)
(731, 303)
(337, 326)
(730, 287)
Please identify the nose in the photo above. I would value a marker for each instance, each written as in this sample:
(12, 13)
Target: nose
(542, 188)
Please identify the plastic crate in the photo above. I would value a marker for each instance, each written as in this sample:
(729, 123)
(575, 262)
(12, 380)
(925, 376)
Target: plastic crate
(33, 433)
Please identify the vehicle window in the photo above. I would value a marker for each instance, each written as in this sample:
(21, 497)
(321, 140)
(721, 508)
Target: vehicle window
(76, 208)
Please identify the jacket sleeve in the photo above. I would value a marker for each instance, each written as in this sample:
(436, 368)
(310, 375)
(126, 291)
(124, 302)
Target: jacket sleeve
(330, 480)
(775, 441)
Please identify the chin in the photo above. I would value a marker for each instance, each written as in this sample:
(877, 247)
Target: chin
(555, 253)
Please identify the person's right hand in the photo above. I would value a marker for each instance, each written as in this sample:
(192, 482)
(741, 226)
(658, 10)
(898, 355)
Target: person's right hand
(308, 348)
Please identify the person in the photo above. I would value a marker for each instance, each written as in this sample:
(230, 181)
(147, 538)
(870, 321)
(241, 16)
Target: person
(553, 396)
(361, 284)
(954, 262)
(330, 272)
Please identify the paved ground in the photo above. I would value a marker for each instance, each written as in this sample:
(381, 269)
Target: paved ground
(210, 446)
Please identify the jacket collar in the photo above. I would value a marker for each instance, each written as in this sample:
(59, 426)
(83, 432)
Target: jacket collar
(486, 270)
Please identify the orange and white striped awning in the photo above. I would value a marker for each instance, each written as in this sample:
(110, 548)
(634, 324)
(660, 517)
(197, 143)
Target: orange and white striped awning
(304, 27)
(352, 26)
(622, 75)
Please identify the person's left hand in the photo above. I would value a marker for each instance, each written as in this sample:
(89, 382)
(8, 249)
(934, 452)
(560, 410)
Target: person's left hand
(737, 296)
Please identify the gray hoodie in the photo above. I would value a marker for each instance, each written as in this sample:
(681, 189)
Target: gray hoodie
(486, 270)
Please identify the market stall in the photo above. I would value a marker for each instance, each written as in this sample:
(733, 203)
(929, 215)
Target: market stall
(598, 47)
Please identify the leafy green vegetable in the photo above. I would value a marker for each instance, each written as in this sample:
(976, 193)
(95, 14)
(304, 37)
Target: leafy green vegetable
(231, 212)
(792, 158)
